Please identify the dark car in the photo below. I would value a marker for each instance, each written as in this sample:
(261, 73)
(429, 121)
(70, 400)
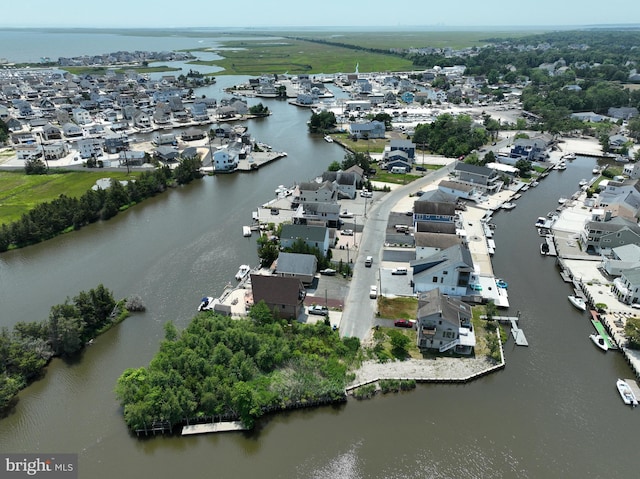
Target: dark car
(420, 168)
(403, 323)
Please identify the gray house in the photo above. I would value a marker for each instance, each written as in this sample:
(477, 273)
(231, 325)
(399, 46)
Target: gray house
(481, 177)
(313, 236)
(603, 233)
(296, 265)
(444, 323)
(448, 270)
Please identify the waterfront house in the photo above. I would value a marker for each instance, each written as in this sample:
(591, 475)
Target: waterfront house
(284, 296)
(429, 211)
(166, 154)
(89, 148)
(444, 323)
(225, 160)
(297, 265)
(318, 213)
(191, 134)
(368, 130)
(622, 258)
(141, 120)
(314, 192)
(115, 142)
(481, 177)
(459, 189)
(345, 183)
(627, 286)
(429, 244)
(312, 236)
(449, 270)
(603, 232)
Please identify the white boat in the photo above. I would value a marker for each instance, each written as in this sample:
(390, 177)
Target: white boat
(583, 182)
(328, 139)
(243, 271)
(626, 393)
(544, 248)
(560, 166)
(569, 156)
(346, 214)
(246, 231)
(508, 206)
(599, 341)
(577, 302)
(562, 200)
(596, 171)
(206, 303)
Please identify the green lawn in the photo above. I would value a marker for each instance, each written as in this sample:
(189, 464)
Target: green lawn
(19, 192)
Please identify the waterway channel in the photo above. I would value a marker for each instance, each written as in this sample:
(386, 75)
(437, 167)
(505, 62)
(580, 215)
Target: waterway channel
(552, 412)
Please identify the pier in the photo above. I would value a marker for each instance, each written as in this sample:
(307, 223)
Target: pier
(518, 334)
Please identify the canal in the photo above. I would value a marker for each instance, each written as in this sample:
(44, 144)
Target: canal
(552, 412)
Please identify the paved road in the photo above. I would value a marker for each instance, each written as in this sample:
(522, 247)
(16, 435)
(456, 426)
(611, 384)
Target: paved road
(358, 316)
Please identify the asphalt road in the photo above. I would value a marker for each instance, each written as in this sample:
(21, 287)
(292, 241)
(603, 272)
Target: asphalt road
(358, 316)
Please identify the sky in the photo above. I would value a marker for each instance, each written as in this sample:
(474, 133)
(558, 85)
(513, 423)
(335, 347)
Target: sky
(296, 13)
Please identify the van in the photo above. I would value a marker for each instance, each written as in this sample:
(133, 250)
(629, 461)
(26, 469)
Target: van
(368, 261)
(398, 170)
(399, 271)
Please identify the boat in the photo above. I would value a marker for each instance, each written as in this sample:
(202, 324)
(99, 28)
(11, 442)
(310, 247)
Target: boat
(599, 341)
(622, 159)
(508, 206)
(243, 271)
(544, 248)
(562, 200)
(569, 156)
(560, 166)
(583, 182)
(346, 214)
(596, 171)
(534, 183)
(626, 393)
(577, 302)
(328, 139)
(246, 231)
(206, 303)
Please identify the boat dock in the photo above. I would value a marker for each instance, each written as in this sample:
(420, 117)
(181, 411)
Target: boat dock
(227, 426)
(518, 334)
(634, 387)
(602, 331)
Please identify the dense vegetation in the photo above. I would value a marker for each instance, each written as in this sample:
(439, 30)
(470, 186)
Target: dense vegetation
(52, 218)
(233, 368)
(450, 135)
(26, 350)
(322, 122)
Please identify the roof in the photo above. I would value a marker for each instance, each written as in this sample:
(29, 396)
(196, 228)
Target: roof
(434, 302)
(306, 232)
(434, 208)
(276, 289)
(456, 185)
(438, 195)
(474, 169)
(314, 186)
(628, 252)
(458, 254)
(436, 240)
(296, 263)
(435, 227)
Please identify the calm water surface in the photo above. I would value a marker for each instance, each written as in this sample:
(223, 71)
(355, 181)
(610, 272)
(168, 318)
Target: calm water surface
(553, 412)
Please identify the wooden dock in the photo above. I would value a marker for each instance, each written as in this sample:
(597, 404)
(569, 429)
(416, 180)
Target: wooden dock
(518, 334)
(227, 426)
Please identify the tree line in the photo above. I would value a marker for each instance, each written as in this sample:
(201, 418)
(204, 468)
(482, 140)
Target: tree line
(64, 213)
(236, 368)
(450, 135)
(27, 349)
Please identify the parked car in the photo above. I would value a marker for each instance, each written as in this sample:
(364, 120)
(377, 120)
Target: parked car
(328, 272)
(366, 194)
(347, 232)
(403, 323)
(399, 271)
(373, 291)
(420, 168)
(346, 214)
(368, 261)
(319, 310)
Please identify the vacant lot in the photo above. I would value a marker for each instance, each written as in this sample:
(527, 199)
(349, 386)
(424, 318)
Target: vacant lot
(19, 192)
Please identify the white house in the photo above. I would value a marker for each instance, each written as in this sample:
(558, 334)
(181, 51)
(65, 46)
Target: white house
(448, 270)
(81, 116)
(224, 161)
(89, 148)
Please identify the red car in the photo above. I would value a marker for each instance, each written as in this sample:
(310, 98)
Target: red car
(403, 323)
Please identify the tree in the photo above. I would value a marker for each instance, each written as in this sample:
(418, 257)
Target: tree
(334, 166)
(35, 167)
(322, 122)
(632, 331)
(524, 166)
(268, 250)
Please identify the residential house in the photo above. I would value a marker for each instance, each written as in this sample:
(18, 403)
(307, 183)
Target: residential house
(115, 142)
(622, 258)
(430, 212)
(89, 148)
(81, 116)
(481, 177)
(397, 160)
(623, 113)
(28, 151)
(368, 130)
(627, 286)
(141, 120)
(403, 145)
(318, 213)
(444, 323)
(616, 142)
(225, 161)
(50, 132)
(345, 183)
(297, 265)
(284, 296)
(449, 270)
(408, 96)
(191, 134)
(313, 236)
(55, 150)
(602, 232)
(459, 189)
(315, 192)
(429, 244)
(166, 154)
(199, 112)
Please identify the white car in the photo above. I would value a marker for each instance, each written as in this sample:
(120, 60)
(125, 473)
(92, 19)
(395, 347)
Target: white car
(347, 232)
(373, 291)
(366, 194)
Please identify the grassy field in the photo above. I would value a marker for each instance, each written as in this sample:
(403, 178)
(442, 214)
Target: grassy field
(398, 308)
(20, 193)
(281, 55)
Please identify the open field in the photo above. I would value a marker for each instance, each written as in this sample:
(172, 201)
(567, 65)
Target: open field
(20, 192)
(281, 55)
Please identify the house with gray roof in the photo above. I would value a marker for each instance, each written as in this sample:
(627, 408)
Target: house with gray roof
(483, 178)
(622, 258)
(313, 191)
(297, 265)
(601, 234)
(313, 236)
(346, 183)
(428, 244)
(444, 323)
(449, 270)
(371, 129)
